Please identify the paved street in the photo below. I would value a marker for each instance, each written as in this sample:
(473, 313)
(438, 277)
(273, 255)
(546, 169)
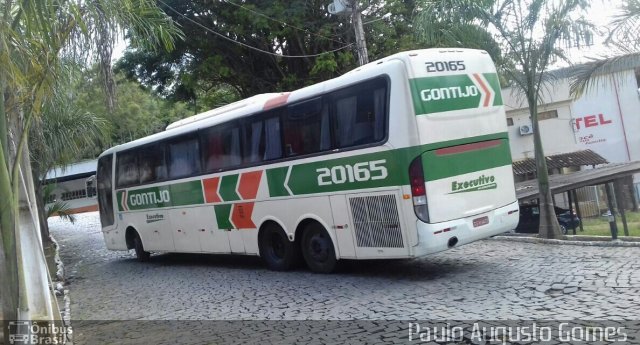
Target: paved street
(485, 280)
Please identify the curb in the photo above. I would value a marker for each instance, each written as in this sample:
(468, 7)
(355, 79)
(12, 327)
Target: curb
(568, 242)
(59, 284)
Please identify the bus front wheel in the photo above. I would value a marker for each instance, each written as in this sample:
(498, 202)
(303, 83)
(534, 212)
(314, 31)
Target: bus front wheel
(141, 254)
(275, 248)
(317, 249)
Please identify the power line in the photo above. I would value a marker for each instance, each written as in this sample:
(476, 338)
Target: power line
(246, 45)
(281, 22)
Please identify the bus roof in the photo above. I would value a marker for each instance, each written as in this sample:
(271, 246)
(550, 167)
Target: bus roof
(259, 102)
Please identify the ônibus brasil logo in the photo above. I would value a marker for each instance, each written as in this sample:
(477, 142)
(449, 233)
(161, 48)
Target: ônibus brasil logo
(478, 184)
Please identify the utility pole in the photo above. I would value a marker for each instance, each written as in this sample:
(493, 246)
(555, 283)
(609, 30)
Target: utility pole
(345, 7)
(361, 44)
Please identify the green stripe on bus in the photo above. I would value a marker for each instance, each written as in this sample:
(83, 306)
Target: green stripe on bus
(349, 174)
(179, 194)
(223, 213)
(228, 188)
(442, 166)
(304, 177)
(452, 92)
(187, 193)
(275, 181)
(119, 200)
(494, 83)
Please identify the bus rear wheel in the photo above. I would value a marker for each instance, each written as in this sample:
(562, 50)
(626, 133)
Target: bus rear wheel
(318, 250)
(275, 248)
(141, 254)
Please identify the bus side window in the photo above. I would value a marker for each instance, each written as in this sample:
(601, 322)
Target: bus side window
(184, 157)
(359, 114)
(262, 139)
(127, 163)
(221, 147)
(152, 164)
(306, 128)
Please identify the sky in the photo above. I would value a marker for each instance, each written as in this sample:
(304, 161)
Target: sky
(600, 14)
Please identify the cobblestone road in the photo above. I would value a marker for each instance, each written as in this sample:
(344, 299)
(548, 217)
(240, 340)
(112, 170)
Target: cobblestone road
(485, 280)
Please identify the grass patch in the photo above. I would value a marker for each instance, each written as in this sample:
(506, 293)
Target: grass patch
(599, 226)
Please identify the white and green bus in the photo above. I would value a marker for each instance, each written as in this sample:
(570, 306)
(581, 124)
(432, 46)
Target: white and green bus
(402, 157)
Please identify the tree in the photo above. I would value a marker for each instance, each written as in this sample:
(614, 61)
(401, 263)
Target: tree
(138, 112)
(529, 32)
(210, 68)
(34, 37)
(624, 38)
(62, 135)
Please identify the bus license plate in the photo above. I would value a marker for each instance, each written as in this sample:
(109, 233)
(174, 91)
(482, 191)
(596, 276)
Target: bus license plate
(480, 221)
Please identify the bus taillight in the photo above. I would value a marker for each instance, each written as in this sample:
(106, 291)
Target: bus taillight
(418, 190)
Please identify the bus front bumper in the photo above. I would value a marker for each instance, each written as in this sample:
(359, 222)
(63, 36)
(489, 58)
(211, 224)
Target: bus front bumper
(437, 237)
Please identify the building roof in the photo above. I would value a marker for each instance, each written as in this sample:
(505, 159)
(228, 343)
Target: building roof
(564, 160)
(528, 190)
(72, 171)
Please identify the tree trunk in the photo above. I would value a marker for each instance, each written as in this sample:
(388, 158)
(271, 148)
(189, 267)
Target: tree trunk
(8, 254)
(42, 216)
(549, 226)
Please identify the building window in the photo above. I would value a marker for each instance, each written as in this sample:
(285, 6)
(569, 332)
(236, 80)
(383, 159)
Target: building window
(75, 194)
(545, 115)
(509, 121)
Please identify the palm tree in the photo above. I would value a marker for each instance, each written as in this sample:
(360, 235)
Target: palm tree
(528, 32)
(56, 207)
(624, 38)
(34, 38)
(60, 136)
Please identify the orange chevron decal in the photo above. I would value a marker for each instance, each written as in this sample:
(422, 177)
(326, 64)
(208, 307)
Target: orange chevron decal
(211, 189)
(241, 215)
(485, 88)
(248, 185)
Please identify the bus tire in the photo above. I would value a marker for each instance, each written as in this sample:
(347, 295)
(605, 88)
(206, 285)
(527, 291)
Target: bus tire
(275, 248)
(317, 249)
(141, 254)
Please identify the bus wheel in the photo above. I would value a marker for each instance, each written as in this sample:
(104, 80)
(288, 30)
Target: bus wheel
(317, 249)
(275, 248)
(141, 254)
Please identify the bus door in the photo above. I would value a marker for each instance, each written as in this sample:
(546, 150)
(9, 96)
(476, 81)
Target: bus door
(105, 191)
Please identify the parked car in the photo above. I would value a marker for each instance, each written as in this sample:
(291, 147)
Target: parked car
(530, 219)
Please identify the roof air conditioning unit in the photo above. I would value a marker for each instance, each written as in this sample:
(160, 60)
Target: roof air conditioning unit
(526, 129)
(340, 7)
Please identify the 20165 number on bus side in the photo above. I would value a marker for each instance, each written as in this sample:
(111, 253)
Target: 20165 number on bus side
(400, 158)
